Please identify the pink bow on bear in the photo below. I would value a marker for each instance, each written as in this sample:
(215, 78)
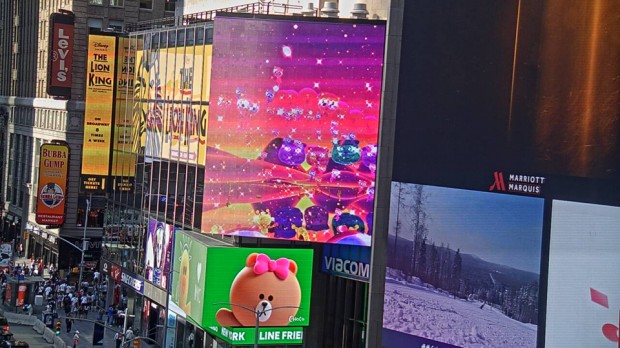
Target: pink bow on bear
(265, 264)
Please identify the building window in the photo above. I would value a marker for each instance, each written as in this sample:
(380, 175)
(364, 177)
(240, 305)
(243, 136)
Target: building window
(95, 2)
(96, 23)
(117, 3)
(116, 25)
(170, 6)
(146, 4)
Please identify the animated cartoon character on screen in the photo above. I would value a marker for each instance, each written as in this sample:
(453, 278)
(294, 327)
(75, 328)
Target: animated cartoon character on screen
(184, 282)
(346, 151)
(267, 286)
(292, 152)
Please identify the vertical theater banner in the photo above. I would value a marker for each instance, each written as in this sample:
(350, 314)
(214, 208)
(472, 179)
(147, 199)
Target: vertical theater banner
(98, 115)
(59, 76)
(123, 155)
(52, 189)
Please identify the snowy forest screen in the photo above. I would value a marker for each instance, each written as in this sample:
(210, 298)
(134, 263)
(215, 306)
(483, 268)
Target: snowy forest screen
(463, 268)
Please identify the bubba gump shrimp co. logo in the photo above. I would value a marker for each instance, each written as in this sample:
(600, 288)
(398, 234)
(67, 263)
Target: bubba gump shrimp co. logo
(51, 195)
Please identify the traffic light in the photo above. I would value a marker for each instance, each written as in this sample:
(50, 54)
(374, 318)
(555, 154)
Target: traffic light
(57, 327)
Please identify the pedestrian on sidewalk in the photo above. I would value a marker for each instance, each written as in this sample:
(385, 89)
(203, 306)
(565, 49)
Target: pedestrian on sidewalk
(76, 338)
(118, 338)
(110, 315)
(129, 336)
(69, 323)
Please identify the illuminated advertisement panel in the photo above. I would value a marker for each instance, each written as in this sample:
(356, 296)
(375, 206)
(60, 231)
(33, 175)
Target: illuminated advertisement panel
(176, 113)
(463, 268)
(583, 302)
(189, 269)
(98, 110)
(158, 252)
(154, 68)
(276, 281)
(185, 120)
(294, 116)
(60, 54)
(52, 189)
(123, 160)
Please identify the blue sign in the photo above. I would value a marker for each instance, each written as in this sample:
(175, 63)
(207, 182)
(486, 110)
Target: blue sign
(135, 282)
(347, 261)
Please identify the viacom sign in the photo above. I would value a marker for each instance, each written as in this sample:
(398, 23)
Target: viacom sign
(347, 261)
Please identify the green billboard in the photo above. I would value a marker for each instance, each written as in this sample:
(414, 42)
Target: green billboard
(246, 284)
(189, 269)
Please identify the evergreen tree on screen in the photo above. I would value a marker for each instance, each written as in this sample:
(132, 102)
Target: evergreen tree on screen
(434, 266)
(419, 216)
(422, 270)
(457, 266)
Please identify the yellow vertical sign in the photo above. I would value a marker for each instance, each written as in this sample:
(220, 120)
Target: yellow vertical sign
(52, 189)
(99, 108)
(123, 157)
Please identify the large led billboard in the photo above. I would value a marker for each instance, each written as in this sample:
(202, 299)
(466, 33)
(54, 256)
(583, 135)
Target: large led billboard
(221, 288)
(176, 102)
(189, 267)
(463, 268)
(583, 301)
(158, 252)
(523, 87)
(275, 282)
(98, 113)
(294, 117)
(52, 189)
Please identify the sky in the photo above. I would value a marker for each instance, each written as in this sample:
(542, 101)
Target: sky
(499, 228)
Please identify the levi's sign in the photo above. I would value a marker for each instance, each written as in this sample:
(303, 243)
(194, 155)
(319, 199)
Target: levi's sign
(347, 261)
(60, 54)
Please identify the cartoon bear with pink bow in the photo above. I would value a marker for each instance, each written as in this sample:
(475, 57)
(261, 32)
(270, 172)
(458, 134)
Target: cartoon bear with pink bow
(264, 287)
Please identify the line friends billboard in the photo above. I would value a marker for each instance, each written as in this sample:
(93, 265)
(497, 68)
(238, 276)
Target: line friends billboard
(293, 129)
(275, 282)
(99, 106)
(52, 189)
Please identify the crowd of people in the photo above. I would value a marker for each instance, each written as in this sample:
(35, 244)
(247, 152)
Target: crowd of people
(60, 294)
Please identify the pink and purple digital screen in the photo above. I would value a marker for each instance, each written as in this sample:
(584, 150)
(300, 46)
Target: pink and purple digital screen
(293, 129)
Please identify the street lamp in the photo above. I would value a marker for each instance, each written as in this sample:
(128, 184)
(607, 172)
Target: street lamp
(258, 314)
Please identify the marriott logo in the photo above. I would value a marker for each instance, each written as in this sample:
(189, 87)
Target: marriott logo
(527, 184)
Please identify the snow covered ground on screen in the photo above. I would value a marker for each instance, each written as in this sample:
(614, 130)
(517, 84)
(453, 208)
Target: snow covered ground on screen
(418, 309)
